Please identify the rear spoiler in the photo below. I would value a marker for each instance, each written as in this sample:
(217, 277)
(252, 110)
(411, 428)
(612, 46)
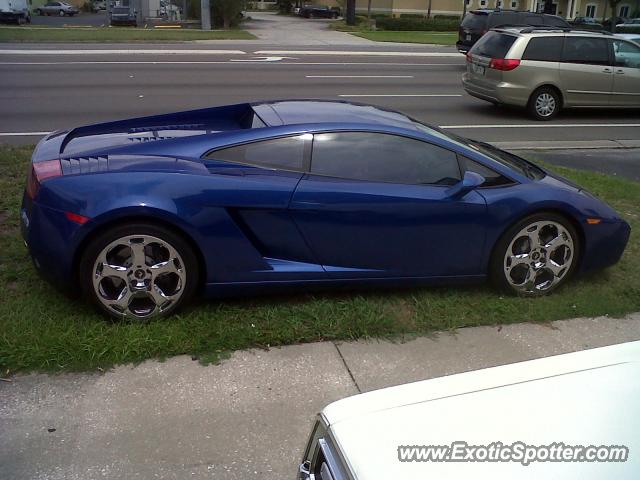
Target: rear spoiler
(231, 117)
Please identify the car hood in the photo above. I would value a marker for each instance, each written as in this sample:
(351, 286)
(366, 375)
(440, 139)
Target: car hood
(584, 398)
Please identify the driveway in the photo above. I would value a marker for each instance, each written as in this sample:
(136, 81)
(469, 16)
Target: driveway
(248, 417)
(291, 30)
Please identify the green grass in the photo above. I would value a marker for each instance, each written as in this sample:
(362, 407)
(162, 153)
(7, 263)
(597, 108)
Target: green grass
(115, 34)
(42, 330)
(438, 38)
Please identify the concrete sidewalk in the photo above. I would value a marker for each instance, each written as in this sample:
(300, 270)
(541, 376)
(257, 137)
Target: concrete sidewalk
(248, 417)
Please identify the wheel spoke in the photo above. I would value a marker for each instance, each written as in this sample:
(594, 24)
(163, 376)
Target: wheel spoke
(138, 257)
(555, 268)
(164, 267)
(515, 260)
(122, 301)
(114, 271)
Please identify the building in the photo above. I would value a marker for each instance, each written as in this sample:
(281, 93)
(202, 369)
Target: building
(570, 9)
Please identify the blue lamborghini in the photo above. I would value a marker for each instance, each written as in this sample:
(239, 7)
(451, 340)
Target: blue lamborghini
(142, 214)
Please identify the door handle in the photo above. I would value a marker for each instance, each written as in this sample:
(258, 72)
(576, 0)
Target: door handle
(606, 70)
(620, 71)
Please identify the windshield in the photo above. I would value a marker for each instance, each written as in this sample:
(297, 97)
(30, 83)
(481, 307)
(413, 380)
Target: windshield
(507, 159)
(493, 45)
(120, 10)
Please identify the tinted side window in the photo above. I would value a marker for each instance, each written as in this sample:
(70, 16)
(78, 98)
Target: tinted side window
(555, 22)
(498, 19)
(535, 20)
(544, 49)
(379, 157)
(280, 153)
(492, 178)
(494, 45)
(474, 21)
(585, 50)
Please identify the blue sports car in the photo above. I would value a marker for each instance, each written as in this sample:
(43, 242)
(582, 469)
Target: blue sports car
(141, 214)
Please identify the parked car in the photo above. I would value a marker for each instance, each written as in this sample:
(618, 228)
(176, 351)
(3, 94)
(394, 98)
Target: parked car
(590, 398)
(613, 20)
(478, 22)
(587, 23)
(99, 6)
(14, 11)
(319, 11)
(142, 213)
(123, 16)
(631, 23)
(57, 8)
(548, 70)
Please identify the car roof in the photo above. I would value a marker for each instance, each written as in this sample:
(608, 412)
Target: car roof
(538, 402)
(293, 112)
(529, 30)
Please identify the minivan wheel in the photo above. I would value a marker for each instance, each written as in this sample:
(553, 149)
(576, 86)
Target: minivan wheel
(544, 104)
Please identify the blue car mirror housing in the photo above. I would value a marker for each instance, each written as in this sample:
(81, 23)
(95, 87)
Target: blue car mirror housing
(470, 181)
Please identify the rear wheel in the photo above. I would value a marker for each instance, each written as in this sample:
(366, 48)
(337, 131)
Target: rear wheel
(544, 104)
(535, 256)
(138, 271)
(61, 13)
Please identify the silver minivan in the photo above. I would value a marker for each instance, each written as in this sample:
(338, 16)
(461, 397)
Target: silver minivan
(546, 70)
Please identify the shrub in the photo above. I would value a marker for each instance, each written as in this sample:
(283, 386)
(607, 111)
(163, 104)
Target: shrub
(417, 24)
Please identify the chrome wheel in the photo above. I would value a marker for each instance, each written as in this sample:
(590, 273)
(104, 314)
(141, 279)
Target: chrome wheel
(545, 104)
(538, 257)
(138, 276)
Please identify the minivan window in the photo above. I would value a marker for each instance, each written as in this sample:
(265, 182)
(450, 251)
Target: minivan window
(586, 50)
(493, 45)
(544, 49)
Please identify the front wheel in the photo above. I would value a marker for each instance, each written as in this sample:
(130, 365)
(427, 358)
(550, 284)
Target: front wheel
(138, 271)
(544, 104)
(535, 256)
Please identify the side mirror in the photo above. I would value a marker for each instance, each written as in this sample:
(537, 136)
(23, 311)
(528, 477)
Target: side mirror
(471, 181)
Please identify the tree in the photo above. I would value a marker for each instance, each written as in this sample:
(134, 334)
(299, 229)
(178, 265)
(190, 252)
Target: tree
(351, 12)
(369, 10)
(226, 13)
(614, 9)
(429, 9)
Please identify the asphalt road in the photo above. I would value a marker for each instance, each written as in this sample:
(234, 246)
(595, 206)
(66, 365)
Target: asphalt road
(47, 92)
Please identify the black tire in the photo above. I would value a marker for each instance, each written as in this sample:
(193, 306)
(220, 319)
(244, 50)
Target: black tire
(544, 104)
(498, 262)
(61, 13)
(90, 255)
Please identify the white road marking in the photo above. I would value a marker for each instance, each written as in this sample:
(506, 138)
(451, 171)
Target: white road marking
(407, 95)
(23, 134)
(107, 62)
(363, 53)
(359, 76)
(262, 59)
(546, 125)
(120, 52)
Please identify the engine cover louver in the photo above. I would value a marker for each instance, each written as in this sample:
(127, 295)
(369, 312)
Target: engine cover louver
(77, 165)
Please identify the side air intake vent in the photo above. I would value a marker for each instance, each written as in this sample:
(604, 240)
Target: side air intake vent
(78, 165)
